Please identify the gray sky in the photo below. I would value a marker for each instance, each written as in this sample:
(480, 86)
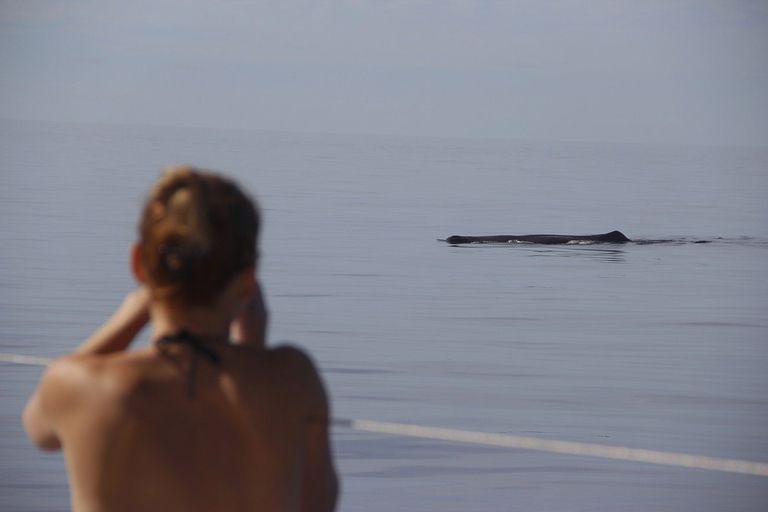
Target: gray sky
(679, 71)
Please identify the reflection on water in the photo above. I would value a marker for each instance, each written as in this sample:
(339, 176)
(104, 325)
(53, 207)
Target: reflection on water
(597, 254)
(609, 253)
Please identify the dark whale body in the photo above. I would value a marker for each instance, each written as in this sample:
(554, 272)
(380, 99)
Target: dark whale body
(614, 237)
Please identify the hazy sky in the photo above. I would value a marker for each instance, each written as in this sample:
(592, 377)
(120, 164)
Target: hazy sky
(608, 70)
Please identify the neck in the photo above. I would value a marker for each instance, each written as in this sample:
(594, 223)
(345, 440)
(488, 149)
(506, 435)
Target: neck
(206, 323)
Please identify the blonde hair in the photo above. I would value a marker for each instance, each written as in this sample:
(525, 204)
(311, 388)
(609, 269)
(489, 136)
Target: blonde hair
(197, 231)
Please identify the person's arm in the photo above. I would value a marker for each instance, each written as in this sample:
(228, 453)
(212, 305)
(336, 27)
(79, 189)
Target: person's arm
(37, 419)
(320, 489)
(121, 328)
(250, 327)
(51, 394)
(61, 386)
(321, 485)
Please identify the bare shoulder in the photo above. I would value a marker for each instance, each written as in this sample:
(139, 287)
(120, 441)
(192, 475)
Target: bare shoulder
(291, 355)
(48, 402)
(298, 366)
(68, 373)
(64, 386)
(81, 368)
(296, 361)
(78, 378)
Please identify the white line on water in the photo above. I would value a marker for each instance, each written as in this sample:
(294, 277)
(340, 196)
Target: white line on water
(567, 447)
(524, 443)
(19, 359)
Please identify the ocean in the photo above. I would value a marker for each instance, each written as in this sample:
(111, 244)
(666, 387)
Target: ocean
(658, 346)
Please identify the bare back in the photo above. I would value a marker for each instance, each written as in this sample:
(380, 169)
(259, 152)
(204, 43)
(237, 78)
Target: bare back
(250, 439)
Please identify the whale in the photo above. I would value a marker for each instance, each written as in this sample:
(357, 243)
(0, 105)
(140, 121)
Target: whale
(614, 237)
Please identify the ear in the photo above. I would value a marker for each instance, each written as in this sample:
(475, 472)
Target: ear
(136, 267)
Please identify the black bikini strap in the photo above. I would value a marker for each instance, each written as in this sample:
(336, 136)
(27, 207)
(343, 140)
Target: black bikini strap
(185, 337)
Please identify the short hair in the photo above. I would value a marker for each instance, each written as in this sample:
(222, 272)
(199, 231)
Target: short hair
(197, 231)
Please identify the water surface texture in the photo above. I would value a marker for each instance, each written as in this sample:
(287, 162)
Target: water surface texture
(655, 346)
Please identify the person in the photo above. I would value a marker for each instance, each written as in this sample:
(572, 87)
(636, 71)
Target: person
(206, 417)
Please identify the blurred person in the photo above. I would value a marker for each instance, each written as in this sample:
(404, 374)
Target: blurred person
(206, 417)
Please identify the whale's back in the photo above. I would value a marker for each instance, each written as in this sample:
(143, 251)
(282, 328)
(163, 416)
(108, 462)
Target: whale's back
(614, 237)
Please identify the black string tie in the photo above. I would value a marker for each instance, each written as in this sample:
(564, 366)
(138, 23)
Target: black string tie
(184, 337)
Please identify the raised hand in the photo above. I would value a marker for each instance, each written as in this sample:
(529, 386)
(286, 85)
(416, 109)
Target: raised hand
(250, 327)
(122, 327)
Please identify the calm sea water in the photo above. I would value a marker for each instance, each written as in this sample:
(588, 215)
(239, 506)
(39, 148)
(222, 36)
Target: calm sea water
(660, 346)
